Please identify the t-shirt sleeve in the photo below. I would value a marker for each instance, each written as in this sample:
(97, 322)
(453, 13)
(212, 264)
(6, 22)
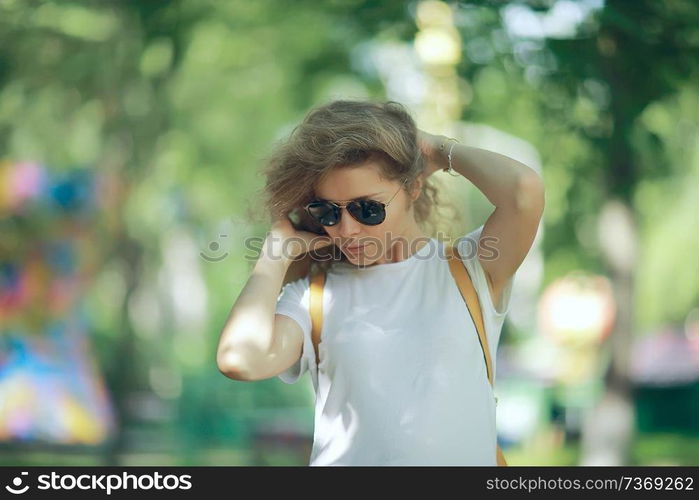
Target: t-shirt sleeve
(293, 301)
(493, 314)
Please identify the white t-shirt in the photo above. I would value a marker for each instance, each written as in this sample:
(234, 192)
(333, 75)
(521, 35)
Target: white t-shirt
(402, 377)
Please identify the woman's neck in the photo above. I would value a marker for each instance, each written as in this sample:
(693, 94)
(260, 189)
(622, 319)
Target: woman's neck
(404, 246)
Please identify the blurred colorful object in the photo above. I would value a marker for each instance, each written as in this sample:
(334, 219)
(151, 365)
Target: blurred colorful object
(47, 251)
(50, 389)
(19, 183)
(665, 358)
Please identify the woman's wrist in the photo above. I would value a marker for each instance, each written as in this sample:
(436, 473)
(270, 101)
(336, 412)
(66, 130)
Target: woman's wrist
(436, 160)
(444, 146)
(442, 141)
(275, 252)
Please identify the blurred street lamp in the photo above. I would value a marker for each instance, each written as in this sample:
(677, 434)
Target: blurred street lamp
(438, 46)
(577, 313)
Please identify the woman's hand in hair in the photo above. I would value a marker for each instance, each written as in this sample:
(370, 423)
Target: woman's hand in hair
(429, 145)
(290, 243)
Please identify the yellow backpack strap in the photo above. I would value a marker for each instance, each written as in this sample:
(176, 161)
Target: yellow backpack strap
(501, 457)
(468, 292)
(316, 306)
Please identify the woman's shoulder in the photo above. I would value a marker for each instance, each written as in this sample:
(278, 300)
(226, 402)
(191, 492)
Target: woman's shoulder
(470, 249)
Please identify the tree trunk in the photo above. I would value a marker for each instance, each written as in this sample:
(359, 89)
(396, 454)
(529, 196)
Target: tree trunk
(608, 428)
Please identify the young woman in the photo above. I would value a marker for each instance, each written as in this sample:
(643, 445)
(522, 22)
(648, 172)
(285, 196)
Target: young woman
(401, 378)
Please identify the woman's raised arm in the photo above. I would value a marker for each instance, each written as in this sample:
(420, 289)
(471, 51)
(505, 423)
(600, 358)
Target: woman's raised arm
(249, 348)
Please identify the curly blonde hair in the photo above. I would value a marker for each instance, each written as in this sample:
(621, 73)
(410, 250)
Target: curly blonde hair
(346, 133)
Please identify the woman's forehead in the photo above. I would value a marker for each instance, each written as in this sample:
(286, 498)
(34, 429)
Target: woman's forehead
(344, 184)
(350, 198)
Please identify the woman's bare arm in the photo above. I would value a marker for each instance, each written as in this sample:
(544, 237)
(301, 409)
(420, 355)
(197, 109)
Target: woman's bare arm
(515, 189)
(255, 343)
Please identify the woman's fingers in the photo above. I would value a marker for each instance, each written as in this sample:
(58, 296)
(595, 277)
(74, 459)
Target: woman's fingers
(317, 242)
(296, 242)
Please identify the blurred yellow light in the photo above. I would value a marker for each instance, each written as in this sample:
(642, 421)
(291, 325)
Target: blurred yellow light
(437, 41)
(438, 46)
(577, 308)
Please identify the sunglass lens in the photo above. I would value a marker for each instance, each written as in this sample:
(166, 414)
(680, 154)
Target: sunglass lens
(324, 213)
(367, 212)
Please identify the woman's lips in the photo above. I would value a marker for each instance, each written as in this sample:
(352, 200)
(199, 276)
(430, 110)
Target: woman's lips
(356, 250)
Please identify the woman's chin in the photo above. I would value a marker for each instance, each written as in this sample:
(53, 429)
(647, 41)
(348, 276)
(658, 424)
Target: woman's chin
(361, 260)
(355, 259)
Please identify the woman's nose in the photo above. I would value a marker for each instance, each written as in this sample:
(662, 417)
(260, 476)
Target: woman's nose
(348, 225)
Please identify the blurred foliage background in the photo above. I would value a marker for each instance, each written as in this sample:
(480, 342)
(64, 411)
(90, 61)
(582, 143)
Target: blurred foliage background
(131, 136)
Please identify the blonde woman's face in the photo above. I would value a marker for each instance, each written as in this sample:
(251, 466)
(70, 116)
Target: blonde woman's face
(344, 184)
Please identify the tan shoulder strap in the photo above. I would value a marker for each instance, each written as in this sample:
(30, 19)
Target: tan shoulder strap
(468, 292)
(316, 306)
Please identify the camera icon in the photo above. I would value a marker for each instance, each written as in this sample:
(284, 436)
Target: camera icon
(215, 251)
(17, 483)
(227, 232)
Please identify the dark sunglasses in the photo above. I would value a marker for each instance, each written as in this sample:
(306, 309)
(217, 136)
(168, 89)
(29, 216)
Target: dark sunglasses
(367, 212)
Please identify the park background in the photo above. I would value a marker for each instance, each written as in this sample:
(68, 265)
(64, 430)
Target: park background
(131, 139)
